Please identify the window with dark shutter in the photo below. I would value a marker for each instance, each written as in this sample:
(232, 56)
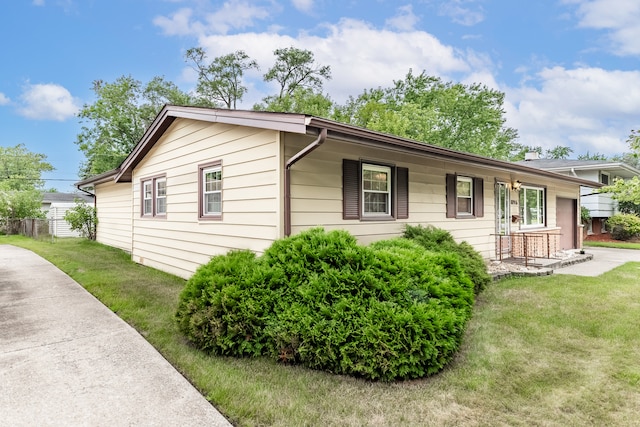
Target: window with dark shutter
(477, 196)
(402, 193)
(385, 196)
(350, 189)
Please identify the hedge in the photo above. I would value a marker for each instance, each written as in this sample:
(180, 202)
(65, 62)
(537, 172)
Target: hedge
(389, 311)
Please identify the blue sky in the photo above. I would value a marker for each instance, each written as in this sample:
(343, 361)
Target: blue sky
(569, 68)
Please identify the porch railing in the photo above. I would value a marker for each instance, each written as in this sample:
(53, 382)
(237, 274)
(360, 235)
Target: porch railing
(527, 246)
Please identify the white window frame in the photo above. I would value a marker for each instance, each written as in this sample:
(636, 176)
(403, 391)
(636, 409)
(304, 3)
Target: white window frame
(387, 192)
(160, 197)
(469, 197)
(602, 175)
(540, 206)
(203, 170)
(147, 196)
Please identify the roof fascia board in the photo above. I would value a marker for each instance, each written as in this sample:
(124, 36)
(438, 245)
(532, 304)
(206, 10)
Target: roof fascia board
(98, 179)
(370, 138)
(287, 122)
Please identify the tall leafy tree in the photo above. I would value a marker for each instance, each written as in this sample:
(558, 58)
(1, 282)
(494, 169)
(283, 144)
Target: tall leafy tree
(21, 169)
(118, 118)
(300, 80)
(559, 152)
(21, 183)
(220, 81)
(462, 117)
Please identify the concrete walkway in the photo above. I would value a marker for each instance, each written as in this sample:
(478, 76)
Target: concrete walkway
(67, 360)
(604, 259)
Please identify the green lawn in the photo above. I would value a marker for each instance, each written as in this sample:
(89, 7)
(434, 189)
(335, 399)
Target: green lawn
(552, 350)
(619, 245)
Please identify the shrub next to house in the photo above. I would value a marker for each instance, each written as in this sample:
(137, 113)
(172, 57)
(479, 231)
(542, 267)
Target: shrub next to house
(389, 311)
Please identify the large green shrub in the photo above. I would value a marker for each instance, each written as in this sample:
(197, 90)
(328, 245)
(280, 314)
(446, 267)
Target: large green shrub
(624, 226)
(438, 240)
(392, 310)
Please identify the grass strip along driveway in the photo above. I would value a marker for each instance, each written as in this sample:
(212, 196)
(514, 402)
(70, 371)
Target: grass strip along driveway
(552, 350)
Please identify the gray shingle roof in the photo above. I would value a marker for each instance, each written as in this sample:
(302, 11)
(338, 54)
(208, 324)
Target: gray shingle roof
(65, 197)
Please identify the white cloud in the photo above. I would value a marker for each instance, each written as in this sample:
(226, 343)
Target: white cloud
(232, 15)
(588, 109)
(618, 17)
(460, 12)
(305, 6)
(47, 102)
(38, 2)
(4, 100)
(360, 56)
(404, 20)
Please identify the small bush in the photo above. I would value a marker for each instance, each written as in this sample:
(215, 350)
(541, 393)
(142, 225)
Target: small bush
(624, 226)
(389, 311)
(438, 240)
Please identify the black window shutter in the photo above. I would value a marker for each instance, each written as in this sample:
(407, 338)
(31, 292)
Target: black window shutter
(402, 193)
(478, 197)
(350, 189)
(451, 196)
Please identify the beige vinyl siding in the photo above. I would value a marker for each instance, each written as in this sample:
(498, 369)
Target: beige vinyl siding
(113, 203)
(316, 193)
(250, 158)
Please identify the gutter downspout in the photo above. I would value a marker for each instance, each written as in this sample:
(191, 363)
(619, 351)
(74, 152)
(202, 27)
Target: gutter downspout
(287, 177)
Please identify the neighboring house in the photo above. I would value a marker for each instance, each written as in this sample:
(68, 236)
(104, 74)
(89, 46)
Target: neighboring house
(601, 206)
(55, 205)
(204, 181)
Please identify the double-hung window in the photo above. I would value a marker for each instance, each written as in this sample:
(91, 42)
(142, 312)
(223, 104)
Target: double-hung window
(465, 196)
(161, 196)
(373, 191)
(376, 190)
(210, 185)
(532, 206)
(154, 196)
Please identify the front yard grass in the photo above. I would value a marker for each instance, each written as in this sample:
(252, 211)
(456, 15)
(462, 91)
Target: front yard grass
(552, 350)
(610, 244)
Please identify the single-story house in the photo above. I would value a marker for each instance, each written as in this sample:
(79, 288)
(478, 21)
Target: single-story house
(204, 181)
(601, 206)
(55, 205)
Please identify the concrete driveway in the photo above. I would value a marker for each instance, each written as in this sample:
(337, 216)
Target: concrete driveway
(67, 360)
(604, 259)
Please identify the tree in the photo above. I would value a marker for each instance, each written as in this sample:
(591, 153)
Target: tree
(462, 117)
(627, 193)
(83, 219)
(594, 156)
(21, 169)
(559, 152)
(221, 80)
(295, 71)
(303, 101)
(118, 118)
(20, 204)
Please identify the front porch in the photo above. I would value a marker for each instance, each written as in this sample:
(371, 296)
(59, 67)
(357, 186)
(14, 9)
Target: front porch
(533, 249)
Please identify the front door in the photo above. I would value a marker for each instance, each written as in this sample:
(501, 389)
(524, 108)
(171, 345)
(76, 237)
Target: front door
(503, 216)
(567, 219)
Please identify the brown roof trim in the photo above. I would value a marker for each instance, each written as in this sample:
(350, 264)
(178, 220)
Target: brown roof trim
(287, 122)
(310, 125)
(98, 179)
(367, 137)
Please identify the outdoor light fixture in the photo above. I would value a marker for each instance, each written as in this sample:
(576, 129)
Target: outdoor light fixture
(516, 185)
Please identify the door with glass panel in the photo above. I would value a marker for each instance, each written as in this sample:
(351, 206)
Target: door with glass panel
(503, 216)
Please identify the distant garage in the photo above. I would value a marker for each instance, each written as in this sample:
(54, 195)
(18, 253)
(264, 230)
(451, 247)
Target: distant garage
(55, 205)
